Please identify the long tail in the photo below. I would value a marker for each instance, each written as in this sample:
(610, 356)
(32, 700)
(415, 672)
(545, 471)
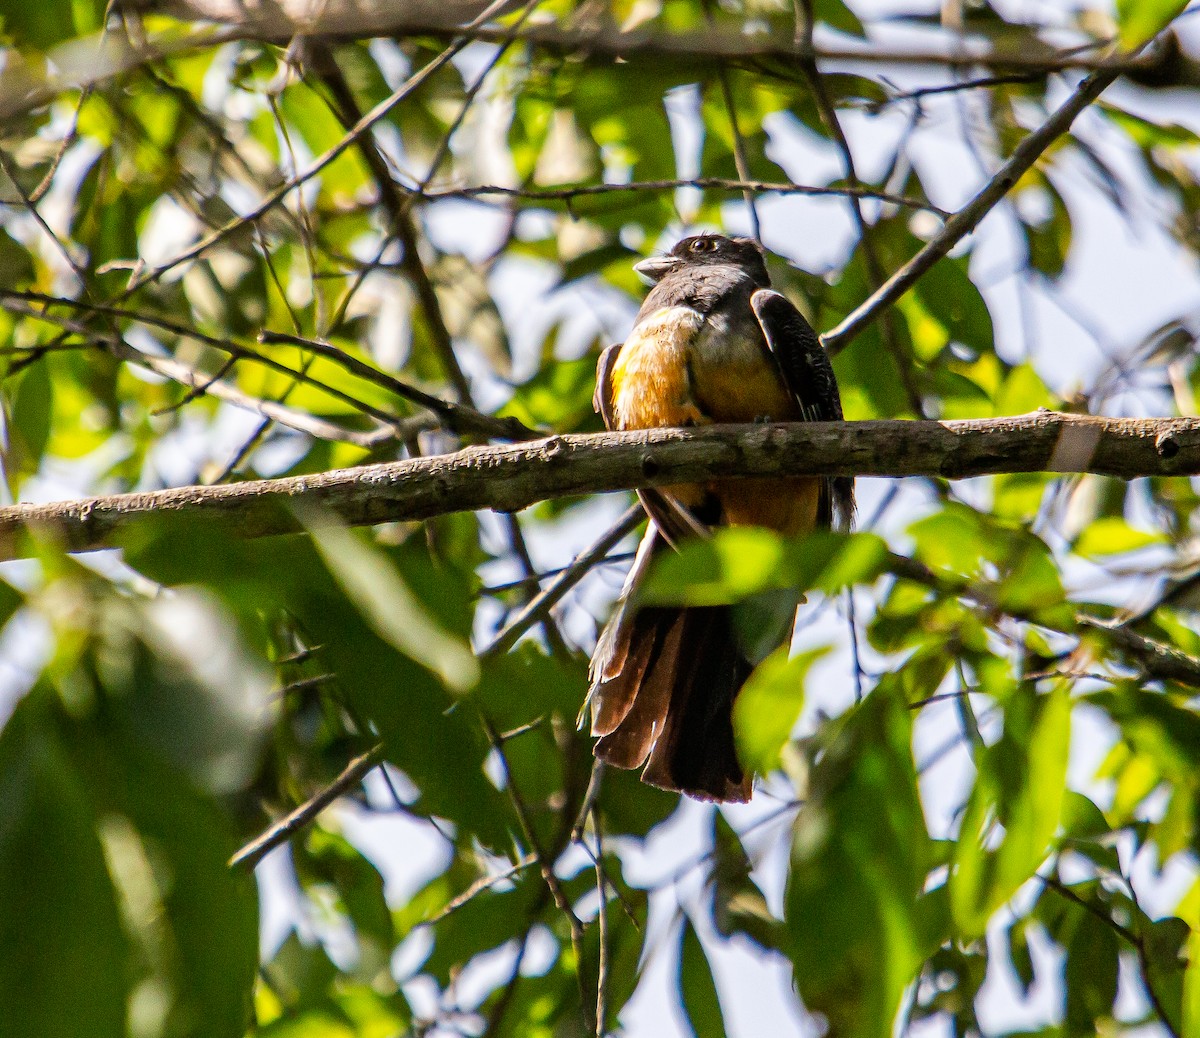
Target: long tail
(665, 696)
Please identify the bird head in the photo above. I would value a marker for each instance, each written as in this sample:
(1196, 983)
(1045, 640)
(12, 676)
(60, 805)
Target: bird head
(708, 250)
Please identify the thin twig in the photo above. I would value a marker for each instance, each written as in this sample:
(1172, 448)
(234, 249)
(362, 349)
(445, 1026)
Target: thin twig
(270, 23)
(540, 605)
(968, 217)
(901, 355)
(566, 194)
(500, 1007)
(595, 783)
(981, 83)
(478, 887)
(177, 371)
(287, 827)
(545, 864)
(64, 146)
(253, 852)
(352, 136)
(545, 574)
(602, 918)
(1133, 939)
(740, 161)
(403, 226)
(226, 346)
(456, 417)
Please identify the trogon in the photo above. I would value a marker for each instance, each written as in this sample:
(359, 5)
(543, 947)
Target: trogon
(712, 343)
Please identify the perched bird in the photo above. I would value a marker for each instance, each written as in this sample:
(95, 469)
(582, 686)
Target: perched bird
(712, 343)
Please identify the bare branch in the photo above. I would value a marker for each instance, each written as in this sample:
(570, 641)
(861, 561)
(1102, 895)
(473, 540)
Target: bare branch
(1132, 937)
(545, 861)
(287, 827)
(404, 226)
(967, 218)
(87, 61)
(566, 194)
(509, 478)
(283, 830)
(479, 886)
(874, 266)
(456, 417)
(1158, 661)
(202, 383)
(353, 136)
(357, 19)
(540, 605)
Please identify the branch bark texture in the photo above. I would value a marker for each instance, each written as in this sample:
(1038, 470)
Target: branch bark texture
(510, 477)
(281, 20)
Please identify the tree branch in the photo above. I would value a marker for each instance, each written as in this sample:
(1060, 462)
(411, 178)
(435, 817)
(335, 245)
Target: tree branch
(566, 194)
(354, 772)
(967, 218)
(88, 61)
(357, 19)
(1157, 660)
(511, 477)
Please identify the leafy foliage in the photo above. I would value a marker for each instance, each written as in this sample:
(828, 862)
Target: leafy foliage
(979, 790)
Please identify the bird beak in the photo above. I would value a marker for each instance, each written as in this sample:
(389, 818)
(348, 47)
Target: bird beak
(655, 267)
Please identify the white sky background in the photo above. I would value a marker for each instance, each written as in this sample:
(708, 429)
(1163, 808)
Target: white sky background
(1124, 276)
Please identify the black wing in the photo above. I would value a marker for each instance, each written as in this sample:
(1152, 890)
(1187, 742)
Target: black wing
(809, 376)
(602, 397)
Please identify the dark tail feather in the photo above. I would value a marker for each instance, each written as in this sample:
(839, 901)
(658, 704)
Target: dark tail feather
(672, 702)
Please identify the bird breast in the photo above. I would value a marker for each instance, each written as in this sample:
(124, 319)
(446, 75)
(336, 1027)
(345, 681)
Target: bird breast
(679, 367)
(651, 385)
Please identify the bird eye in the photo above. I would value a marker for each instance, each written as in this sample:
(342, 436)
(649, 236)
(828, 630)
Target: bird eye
(704, 245)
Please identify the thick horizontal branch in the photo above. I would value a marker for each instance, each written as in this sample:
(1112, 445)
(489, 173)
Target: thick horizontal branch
(511, 477)
(88, 61)
(282, 20)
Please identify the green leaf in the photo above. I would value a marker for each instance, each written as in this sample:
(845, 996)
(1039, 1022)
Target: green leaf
(696, 986)
(32, 408)
(62, 947)
(16, 262)
(1021, 392)
(1112, 535)
(376, 587)
(738, 562)
(1019, 955)
(38, 25)
(169, 847)
(1142, 20)
(950, 296)
(1049, 241)
(767, 708)
(856, 928)
(837, 15)
(737, 903)
(1191, 985)
(1088, 832)
(1091, 976)
(558, 396)
(1020, 786)
(10, 601)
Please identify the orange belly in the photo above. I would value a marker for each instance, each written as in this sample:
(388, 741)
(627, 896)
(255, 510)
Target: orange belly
(652, 386)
